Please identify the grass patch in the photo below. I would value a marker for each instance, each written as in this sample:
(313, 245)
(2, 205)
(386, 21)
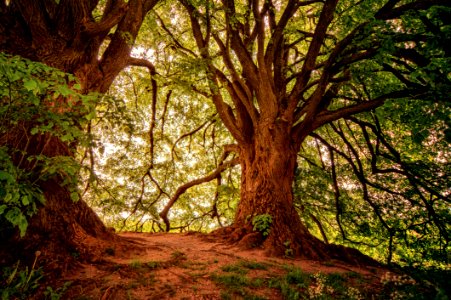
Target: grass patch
(195, 265)
(336, 281)
(243, 266)
(291, 285)
(178, 255)
(136, 264)
(234, 269)
(231, 280)
(153, 265)
(237, 285)
(253, 265)
(297, 277)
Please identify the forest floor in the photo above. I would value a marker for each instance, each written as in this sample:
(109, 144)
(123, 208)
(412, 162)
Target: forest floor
(193, 266)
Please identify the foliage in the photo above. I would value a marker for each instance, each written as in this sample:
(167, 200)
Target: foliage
(398, 186)
(18, 283)
(237, 285)
(136, 264)
(133, 183)
(386, 161)
(19, 196)
(262, 224)
(37, 104)
(56, 294)
(379, 181)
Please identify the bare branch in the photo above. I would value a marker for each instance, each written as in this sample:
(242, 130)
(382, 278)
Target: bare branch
(145, 63)
(189, 134)
(141, 62)
(249, 68)
(174, 39)
(182, 189)
(329, 116)
(109, 20)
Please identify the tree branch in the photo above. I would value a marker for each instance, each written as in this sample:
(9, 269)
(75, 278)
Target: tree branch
(182, 189)
(324, 21)
(329, 116)
(109, 20)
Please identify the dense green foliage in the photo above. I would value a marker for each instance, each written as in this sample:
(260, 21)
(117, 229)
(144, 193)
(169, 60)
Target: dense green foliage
(29, 115)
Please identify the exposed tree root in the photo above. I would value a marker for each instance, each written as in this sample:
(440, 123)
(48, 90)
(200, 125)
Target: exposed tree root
(304, 246)
(65, 233)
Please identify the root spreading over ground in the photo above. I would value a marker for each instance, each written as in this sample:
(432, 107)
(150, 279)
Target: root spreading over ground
(195, 266)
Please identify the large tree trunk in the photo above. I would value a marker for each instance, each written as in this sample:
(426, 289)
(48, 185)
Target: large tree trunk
(267, 174)
(61, 229)
(267, 167)
(68, 37)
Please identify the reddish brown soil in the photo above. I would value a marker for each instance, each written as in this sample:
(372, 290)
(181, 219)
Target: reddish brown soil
(183, 266)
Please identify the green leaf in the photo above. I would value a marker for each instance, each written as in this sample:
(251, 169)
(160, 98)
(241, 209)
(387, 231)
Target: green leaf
(67, 137)
(74, 196)
(65, 90)
(25, 200)
(40, 198)
(91, 115)
(35, 100)
(22, 223)
(6, 176)
(2, 208)
(31, 85)
(8, 197)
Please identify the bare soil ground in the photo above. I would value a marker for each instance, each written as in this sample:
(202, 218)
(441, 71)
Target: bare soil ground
(193, 266)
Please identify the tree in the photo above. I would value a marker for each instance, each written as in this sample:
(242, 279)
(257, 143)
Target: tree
(277, 71)
(93, 41)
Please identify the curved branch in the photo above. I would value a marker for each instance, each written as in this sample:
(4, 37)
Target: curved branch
(139, 62)
(189, 134)
(330, 116)
(109, 20)
(182, 189)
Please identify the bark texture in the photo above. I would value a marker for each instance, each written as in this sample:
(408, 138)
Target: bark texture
(268, 168)
(65, 35)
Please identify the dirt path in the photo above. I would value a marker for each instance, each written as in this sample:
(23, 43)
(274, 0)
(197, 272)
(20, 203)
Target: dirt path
(189, 266)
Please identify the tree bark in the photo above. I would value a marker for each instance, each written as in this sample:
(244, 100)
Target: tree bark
(66, 36)
(267, 173)
(61, 229)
